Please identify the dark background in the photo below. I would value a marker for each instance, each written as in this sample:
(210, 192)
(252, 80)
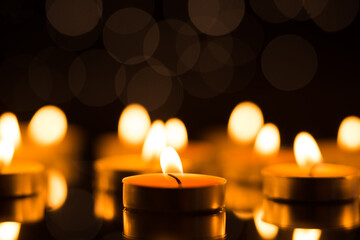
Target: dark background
(317, 107)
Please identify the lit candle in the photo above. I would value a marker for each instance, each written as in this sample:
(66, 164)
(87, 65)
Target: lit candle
(18, 178)
(185, 204)
(133, 127)
(9, 230)
(310, 180)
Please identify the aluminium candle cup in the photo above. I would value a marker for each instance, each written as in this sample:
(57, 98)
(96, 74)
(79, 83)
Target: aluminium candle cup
(22, 179)
(329, 182)
(312, 215)
(24, 209)
(156, 206)
(174, 226)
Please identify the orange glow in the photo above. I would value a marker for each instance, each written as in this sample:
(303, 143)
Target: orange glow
(9, 230)
(104, 206)
(170, 161)
(6, 153)
(176, 134)
(57, 189)
(155, 141)
(133, 125)
(306, 150)
(267, 142)
(306, 234)
(48, 125)
(9, 128)
(349, 134)
(245, 122)
(265, 230)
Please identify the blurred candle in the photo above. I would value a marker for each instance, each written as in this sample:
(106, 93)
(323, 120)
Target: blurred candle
(10, 129)
(311, 179)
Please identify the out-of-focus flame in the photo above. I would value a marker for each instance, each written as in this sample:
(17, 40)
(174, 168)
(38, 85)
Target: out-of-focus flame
(170, 161)
(7, 150)
(266, 230)
(306, 234)
(9, 128)
(267, 142)
(349, 134)
(245, 122)
(104, 205)
(306, 150)
(48, 125)
(176, 134)
(155, 141)
(9, 230)
(57, 189)
(133, 125)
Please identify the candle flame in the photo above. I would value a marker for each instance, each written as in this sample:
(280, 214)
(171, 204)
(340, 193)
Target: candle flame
(57, 189)
(265, 230)
(176, 133)
(306, 150)
(7, 150)
(170, 161)
(48, 125)
(267, 142)
(9, 128)
(9, 230)
(155, 141)
(306, 234)
(349, 134)
(245, 122)
(133, 125)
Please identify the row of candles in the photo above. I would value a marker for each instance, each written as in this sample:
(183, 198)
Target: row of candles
(141, 148)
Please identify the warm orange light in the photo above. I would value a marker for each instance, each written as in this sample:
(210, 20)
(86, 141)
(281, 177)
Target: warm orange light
(306, 234)
(170, 161)
(57, 189)
(48, 125)
(9, 128)
(104, 205)
(155, 141)
(245, 122)
(9, 230)
(7, 150)
(306, 150)
(349, 134)
(265, 230)
(176, 134)
(267, 142)
(133, 124)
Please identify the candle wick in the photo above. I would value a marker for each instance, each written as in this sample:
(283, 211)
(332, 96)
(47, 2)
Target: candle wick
(312, 168)
(177, 179)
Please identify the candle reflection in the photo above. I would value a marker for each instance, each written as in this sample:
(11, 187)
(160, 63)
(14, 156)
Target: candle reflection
(306, 234)
(9, 230)
(266, 230)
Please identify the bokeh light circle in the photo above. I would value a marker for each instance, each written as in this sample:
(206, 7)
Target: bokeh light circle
(92, 77)
(127, 33)
(289, 62)
(216, 17)
(73, 17)
(268, 11)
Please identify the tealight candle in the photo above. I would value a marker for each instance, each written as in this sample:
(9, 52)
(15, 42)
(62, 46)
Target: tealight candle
(18, 178)
(311, 180)
(173, 196)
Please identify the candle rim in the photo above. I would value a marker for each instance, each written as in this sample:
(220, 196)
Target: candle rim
(221, 181)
